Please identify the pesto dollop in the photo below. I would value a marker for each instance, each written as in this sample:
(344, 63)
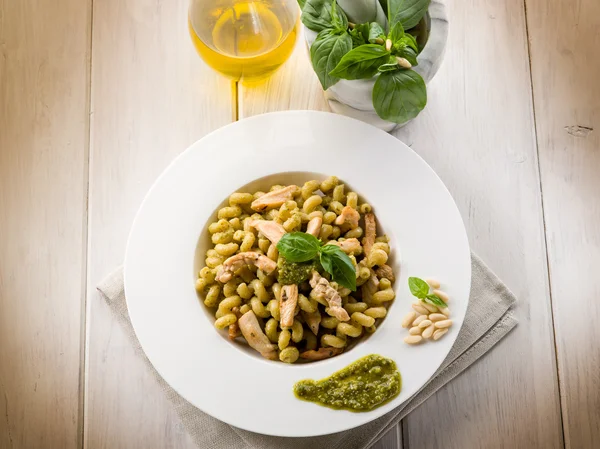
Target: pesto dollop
(294, 272)
(365, 384)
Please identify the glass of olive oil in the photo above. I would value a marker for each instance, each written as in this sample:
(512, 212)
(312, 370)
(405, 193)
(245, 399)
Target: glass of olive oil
(244, 39)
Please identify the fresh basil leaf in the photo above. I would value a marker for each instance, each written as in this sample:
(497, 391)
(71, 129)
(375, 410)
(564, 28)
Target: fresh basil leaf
(399, 96)
(361, 62)
(375, 32)
(360, 35)
(298, 246)
(396, 33)
(338, 17)
(357, 38)
(316, 14)
(408, 12)
(337, 263)
(435, 300)
(389, 67)
(418, 287)
(301, 4)
(410, 55)
(410, 41)
(326, 53)
(326, 261)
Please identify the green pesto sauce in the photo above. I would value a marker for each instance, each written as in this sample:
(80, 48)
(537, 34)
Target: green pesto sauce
(293, 272)
(363, 385)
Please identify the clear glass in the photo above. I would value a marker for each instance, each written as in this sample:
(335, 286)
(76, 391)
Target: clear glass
(244, 39)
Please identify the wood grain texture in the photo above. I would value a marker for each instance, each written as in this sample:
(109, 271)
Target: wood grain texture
(151, 98)
(565, 41)
(478, 134)
(43, 169)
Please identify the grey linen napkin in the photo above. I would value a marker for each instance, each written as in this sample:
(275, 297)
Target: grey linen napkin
(487, 321)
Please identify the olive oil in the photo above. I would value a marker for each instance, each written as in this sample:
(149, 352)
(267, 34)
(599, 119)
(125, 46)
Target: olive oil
(246, 39)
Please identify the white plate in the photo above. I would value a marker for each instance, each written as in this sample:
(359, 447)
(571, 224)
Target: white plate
(176, 331)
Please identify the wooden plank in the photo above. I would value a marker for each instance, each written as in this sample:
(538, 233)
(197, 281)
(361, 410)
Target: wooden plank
(44, 64)
(564, 41)
(478, 134)
(151, 98)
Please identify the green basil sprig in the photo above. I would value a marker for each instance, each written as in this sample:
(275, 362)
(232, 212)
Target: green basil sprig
(326, 53)
(399, 95)
(407, 12)
(420, 289)
(317, 15)
(361, 62)
(344, 50)
(302, 247)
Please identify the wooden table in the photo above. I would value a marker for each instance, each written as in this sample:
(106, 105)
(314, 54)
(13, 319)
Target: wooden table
(96, 97)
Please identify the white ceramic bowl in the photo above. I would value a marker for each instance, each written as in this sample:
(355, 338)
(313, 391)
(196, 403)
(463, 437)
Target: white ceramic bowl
(176, 331)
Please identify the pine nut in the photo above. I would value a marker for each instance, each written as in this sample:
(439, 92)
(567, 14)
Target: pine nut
(439, 334)
(443, 324)
(417, 307)
(427, 333)
(430, 307)
(437, 317)
(445, 311)
(419, 319)
(442, 295)
(415, 330)
(425, 323)
(408, 319)
(434, 283)
(413, 339)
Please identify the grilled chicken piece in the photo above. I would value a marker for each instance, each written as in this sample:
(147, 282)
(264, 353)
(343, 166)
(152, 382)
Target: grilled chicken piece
(274, 199)
(370, 287)
(313, 320)
(270, 229)
(370, 233)
(321, 354)
(314, 226)
(287, 304)
(349, 246)
(236, 262)
(385, 271)
(323, 289)
(349, 216)
(255, 337)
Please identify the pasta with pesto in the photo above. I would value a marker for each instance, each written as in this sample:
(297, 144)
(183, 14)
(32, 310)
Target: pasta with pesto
(293, 311)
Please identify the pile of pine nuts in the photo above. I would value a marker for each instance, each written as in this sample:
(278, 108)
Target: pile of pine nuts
(427, 321)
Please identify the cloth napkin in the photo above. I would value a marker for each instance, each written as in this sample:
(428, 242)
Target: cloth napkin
(489, 318)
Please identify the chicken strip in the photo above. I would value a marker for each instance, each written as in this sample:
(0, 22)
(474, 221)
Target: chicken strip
(237, 261)
(313, 320)
(314, 226)
(349, 246)
(385, 271)
(321, 354)
(369, 288)
(370, 233)
(323, 289)
(274, 199)
(349, 216)
(270, 229)
(287, 304)
(234, 329)
(255, 336)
